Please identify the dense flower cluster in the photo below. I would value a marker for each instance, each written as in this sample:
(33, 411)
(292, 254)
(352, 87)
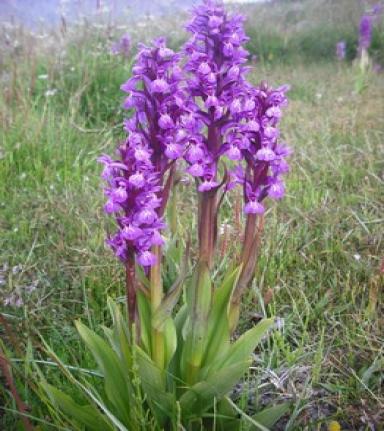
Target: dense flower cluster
(365, 32)
(341, 50)
(200, 113)
(156, 137)
(216, 82)
(264, 155)
(241, 120)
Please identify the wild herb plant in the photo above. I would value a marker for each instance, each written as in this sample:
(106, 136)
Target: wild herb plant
(366, 28)
(192, 112)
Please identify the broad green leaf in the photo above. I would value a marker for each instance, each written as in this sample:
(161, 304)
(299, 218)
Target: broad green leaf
(270, 415)
(200, 397)
(227, 417)
(121, 334)
(199, 298)
(87, 391)
(218, 336)
(117, 385)
(171, 298)
(179, 321)
(170, 340)
(246, 344)
(145, 321)
(222, 294)
(86, 415)
(154, 386)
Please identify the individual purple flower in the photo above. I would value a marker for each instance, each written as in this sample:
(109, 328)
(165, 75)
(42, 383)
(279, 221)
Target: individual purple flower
(341, 50)
(254, 207)
(122, 46)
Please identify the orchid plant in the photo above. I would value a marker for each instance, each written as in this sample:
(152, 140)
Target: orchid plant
(192, 112)
(366, 27)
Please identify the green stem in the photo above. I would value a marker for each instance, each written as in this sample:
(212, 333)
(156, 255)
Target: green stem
(199, 307)
(207, 227)
(251, 245)
(156, 294)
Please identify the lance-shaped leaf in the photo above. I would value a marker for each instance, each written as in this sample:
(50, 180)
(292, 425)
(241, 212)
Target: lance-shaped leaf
(199, 303)
(201, 396)
(241, 350)
(218, 336)
(154, 385)
(180, 323)
(117, 385)
(87, 390)
(119, 336)
(269, 416)
(144, 308)
(168, 303)
(170, 341)
(86, 415)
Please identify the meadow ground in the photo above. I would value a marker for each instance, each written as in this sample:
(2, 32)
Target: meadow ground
(320, 270)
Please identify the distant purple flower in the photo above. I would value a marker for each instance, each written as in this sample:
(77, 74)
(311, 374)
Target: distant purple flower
(122, 46)
(365, 32)
(341, 48)
(377, 9)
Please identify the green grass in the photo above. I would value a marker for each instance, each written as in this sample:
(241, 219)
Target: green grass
(308, 30)
(319, 267)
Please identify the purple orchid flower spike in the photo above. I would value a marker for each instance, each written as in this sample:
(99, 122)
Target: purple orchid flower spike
(139, 181)
(265, 163)
(365, 32)
(216, 80)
